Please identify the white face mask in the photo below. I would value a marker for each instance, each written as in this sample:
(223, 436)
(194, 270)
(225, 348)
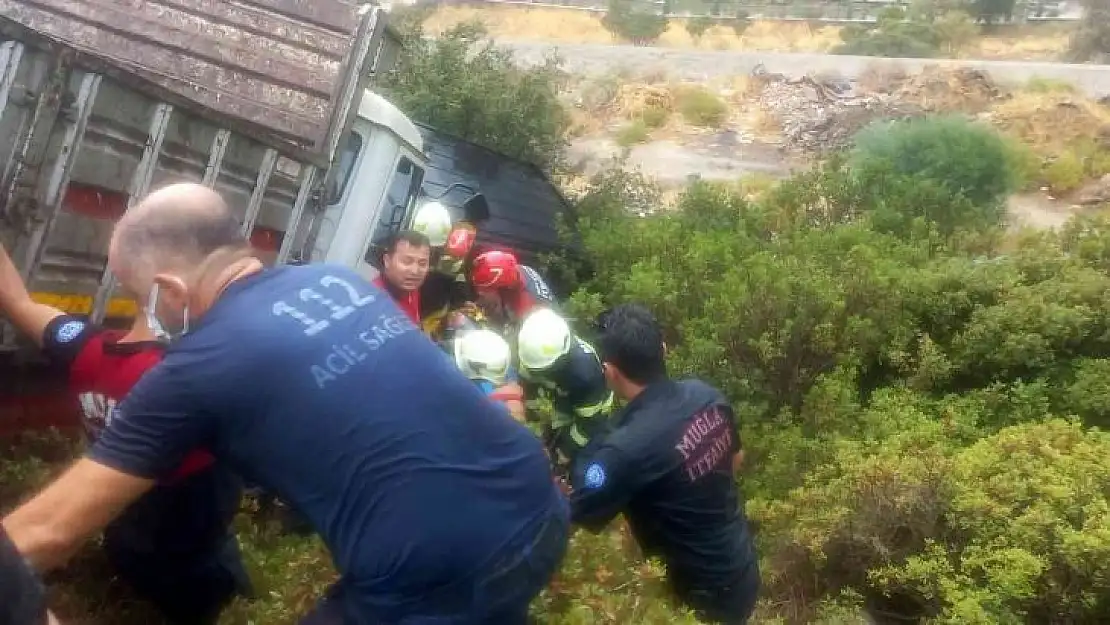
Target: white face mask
(155, 325)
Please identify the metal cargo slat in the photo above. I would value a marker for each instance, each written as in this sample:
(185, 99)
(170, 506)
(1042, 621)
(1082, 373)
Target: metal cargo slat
(275, 68)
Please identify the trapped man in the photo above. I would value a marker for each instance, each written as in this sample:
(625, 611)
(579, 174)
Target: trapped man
(405, 263)
(668, 465)
(435, 504)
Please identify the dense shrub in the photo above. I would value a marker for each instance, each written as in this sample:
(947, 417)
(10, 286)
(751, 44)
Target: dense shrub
(701, 107)
(925, 31)
(898, 388)
(958, 158)
(639, 25)
(697, 26)
(463, 84)
(632, 133)
(740, 22)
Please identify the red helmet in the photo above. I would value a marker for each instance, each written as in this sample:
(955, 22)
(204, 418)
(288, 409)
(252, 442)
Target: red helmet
(495, 270)
(460, 241)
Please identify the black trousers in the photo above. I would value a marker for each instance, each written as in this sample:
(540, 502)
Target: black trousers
(725, 604)
(175, 547)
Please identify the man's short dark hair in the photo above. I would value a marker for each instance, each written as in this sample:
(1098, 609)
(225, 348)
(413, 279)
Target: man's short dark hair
(412, 237)
(630, 339)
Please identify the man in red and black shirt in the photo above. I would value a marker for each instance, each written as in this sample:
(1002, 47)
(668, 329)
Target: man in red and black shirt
(174, 545)
(405, 264)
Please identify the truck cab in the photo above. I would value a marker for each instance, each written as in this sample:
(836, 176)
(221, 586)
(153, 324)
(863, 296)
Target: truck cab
(377, 186)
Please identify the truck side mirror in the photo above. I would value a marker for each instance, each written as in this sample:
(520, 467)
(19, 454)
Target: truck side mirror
(476, 209)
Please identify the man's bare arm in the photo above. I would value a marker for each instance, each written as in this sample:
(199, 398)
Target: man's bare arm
(49, 528)
(738, 461)
(28, 315)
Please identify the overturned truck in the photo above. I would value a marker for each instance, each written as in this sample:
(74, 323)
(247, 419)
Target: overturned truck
(264, 100)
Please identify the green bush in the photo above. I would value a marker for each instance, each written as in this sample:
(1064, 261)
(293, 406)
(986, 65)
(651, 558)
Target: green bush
(896, 39)
(964, 159)
(629, 22)
(1031, 530)
(632, 133)
(1065, 173)
(459, 83)
(922, 32)
(697, 26)
(740, 22)
(655, 116)
(701, 108)
(896, 392)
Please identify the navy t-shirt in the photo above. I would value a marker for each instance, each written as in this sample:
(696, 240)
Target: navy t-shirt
(313, 384)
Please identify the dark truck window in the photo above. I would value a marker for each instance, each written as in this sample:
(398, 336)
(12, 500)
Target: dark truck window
(348, 156)
(399, 199)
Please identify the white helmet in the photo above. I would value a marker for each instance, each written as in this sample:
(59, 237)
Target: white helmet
(544, 338)
(433, 220)
(483, 355)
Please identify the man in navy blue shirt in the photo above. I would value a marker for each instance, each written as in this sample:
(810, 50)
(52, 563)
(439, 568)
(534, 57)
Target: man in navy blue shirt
(668, 464)
(435, 504)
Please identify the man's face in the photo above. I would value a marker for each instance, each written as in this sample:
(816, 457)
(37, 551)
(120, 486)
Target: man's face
(407, 266)
(492, 305)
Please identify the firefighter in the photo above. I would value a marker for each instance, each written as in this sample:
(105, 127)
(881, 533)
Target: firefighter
(565, 370)
(508, 290)
(486, 358)
(447, 289)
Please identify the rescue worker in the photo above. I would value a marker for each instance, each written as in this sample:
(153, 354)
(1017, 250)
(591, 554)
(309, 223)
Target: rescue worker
(318, 387)
(508, 290)
(669, 466)
(561, 367)
(447, 288)
(174, 545)
(433, 220)
(486, 359)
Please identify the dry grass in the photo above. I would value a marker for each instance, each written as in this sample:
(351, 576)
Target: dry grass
(1039, 42)
(603, 104)
(1023, 43)
(943, 89)
(1050, 122)
(567, 26)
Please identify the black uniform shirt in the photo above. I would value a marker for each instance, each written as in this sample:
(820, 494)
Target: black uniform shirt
(667, 464)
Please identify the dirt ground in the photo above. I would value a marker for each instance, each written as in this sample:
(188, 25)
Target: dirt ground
(1036, 210)
(775, 124)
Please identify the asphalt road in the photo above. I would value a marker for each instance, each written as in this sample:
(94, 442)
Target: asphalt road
(593, 59)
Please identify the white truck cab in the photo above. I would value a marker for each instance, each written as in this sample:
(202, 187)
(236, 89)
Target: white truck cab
(377, 185)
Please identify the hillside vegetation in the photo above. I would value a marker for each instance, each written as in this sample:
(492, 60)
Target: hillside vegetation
(923, 396)
(517, 23)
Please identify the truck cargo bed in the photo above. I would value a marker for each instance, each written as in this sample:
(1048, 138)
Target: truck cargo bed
(278, 70)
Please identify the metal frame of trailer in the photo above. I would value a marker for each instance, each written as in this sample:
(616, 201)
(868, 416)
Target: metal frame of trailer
(35, 196)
